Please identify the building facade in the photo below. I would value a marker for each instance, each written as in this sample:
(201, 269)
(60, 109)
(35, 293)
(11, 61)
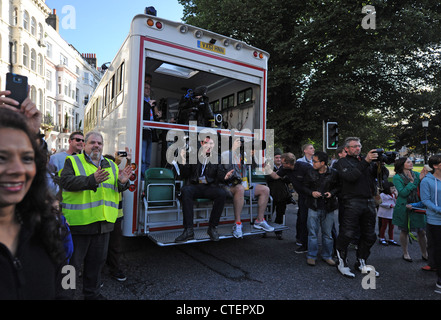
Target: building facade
(61, 79)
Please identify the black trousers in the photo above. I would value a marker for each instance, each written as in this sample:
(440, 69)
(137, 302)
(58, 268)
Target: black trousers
(192, 192)
(280, 208)
(434, 239)
(302, 221)
(90, 251)
(357, 221)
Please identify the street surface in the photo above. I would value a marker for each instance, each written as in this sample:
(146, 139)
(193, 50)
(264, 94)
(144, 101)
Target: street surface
(257, 268)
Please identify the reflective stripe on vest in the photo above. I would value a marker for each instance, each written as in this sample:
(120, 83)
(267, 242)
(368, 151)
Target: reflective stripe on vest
(88, 206)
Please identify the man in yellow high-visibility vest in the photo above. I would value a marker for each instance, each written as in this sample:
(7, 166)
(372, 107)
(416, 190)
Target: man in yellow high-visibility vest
(91, 186)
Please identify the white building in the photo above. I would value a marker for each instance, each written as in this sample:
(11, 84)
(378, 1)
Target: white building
(61, 78)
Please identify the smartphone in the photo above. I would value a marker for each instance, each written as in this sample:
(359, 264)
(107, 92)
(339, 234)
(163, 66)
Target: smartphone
(18, 85)
(122, 153)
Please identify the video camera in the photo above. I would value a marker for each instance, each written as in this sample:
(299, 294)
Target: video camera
(194, 106)
(387, 157)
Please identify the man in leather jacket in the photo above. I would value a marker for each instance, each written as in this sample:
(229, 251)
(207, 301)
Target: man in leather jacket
(203, 180)
(357, 176)
(321, 187)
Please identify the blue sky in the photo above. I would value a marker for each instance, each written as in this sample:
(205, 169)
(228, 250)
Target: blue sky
(100, 26)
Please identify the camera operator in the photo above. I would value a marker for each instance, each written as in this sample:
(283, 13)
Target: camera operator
(357, 176)
(194, 106)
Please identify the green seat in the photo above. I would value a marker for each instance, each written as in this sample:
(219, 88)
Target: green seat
(258, 178)
(159, 187)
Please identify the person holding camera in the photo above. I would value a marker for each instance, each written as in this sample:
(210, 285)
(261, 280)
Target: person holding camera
(233, 161)
(195, 106)
(321, 186)
(357, 176)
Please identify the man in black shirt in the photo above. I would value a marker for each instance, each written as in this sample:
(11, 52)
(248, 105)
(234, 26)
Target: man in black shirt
(203, 180)
(357, 177)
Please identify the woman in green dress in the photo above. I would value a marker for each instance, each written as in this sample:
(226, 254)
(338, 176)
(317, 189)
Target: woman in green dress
(406, 182)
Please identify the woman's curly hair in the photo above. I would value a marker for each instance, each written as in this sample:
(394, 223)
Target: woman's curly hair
(36, 209)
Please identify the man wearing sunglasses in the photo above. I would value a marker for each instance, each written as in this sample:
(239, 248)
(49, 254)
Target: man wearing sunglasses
(56, 161)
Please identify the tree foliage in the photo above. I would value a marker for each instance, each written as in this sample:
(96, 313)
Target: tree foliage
(376, 83)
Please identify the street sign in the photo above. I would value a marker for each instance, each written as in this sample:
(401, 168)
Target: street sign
(424, 142)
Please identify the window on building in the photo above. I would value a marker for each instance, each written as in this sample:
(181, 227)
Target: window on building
(33, 93)
(40, 99)
(48, 80)
(26, 20)
(33, 26)
(49, 50)
(40, 64)
(26, 56)
(14, 52)
(63, 60)
(15, 17)
(33, 60)
(40, 31)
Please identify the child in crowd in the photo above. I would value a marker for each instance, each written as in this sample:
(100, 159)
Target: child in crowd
(385, 213)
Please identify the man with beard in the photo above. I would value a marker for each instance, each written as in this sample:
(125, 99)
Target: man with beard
(357, 177)
(91, 186)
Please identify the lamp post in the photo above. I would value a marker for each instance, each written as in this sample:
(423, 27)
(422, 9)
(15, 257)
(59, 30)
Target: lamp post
(425, 124)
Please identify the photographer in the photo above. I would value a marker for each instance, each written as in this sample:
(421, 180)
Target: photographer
(194, 106)
(357, 176)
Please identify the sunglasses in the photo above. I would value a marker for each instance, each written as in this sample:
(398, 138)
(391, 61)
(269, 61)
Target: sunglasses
(78, 139)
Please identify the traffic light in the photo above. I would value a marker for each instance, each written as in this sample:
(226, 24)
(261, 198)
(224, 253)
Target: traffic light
(331, 135)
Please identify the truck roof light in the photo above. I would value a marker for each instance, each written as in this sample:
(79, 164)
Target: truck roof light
(183, 29)
(198, 34)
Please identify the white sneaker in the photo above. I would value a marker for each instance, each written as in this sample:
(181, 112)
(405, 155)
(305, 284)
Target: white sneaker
(438, 287)
(366, 268)
(343, 268)
(263, 225)
(237, 231)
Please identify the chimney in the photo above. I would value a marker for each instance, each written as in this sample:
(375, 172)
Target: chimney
(90, 58)
(52, 20)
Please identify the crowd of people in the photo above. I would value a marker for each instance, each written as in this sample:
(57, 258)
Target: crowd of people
(66, 210)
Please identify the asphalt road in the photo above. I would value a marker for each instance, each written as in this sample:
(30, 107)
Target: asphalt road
(262, 269)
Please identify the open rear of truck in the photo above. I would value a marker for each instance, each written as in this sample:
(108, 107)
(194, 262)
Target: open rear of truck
(175, 58)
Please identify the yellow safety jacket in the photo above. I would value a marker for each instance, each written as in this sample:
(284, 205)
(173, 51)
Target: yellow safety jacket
(87, 206)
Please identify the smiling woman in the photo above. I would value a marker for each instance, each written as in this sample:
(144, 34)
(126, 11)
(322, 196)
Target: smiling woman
(31, 247)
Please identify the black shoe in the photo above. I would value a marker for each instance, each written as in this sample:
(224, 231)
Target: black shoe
(188, 234)
(118, 275)
(301, 249)
(212, 232)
